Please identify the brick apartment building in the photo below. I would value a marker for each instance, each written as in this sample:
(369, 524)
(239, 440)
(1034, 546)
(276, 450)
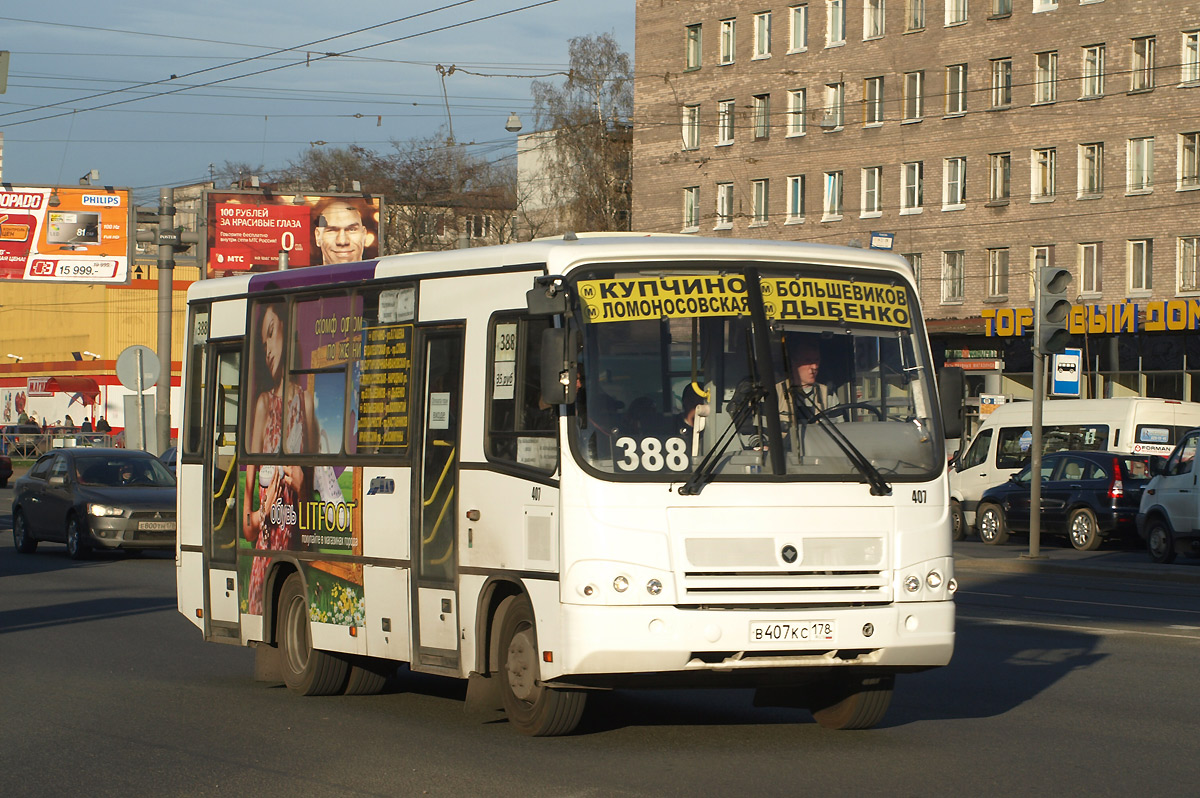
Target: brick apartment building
(986, 136)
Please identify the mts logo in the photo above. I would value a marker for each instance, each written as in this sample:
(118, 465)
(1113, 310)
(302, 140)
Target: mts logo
(236, 258)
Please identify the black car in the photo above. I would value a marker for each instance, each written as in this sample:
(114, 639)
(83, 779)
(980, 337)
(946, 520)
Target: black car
(1087, 496)
(95, 498)
(169, 458)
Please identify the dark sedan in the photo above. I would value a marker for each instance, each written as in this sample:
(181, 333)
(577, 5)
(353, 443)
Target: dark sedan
(1087, 496)
(95, 498)
(5, 470)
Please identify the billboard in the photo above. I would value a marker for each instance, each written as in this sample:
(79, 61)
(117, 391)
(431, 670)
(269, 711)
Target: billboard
(248, 229)
(65, 235)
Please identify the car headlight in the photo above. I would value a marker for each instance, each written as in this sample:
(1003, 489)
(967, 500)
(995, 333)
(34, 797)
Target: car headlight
(105, 510)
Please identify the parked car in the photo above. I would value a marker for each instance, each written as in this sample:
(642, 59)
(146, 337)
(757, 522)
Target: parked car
(95, 498)
(1087, 496)
(5, 470)
(168, 459)
(1169, 515)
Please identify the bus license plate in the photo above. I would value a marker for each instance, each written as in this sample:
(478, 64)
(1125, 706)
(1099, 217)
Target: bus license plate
(156, 526)
(792, 631)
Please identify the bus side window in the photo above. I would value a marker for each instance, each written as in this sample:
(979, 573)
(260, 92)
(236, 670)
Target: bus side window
(520, 427)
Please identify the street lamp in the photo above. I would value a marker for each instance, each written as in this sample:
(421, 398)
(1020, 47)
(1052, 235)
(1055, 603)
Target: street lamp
(17, 358)
(513, 125)
(92, 355)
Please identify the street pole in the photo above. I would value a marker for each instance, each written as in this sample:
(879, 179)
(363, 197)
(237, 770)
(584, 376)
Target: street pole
(166, 279)
(1035, 454)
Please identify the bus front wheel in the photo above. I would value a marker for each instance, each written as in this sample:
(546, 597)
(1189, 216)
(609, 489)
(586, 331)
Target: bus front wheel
(853, 702)
(532, 707)
(305, 670)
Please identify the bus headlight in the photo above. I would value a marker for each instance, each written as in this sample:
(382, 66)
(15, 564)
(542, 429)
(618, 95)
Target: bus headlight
(654, 587)
(620, 584)
(911, 583)
(952, 585)
(934, 580)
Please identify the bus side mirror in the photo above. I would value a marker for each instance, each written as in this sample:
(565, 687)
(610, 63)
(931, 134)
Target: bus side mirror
(560, 365)
(547, 297)
(951, 384)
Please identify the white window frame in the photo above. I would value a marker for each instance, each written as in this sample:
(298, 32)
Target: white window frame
(835, 23)
(761, 129)
(1045, 81)
(835, 106)
(914, 96)
(1139, 165)
(1042, 169)
(956, 12)
(912, 187)
(1141, 72)
(956, 89)
(953, 276)
(873, 102)
(874, 19)
(726, 119)
(1187, 177)
(797, 124)
(795, 199)
(692, 46)
(798, 28)
(832, 198)
(914, 15)
(1092, 84)
(954, 183)
(690, 125)
(1002, 83)
(728, 41)
(724, 207)
(999, 176)
(1040, 6)
(871, 200)
(1139, 257)
(914, 263)
(1039, 257)
(1187, 263)
(760, 190)
(1189, 57)
(997, 276)
(691, 209)
(1091, 169)
(1089, 268)
(762, 35)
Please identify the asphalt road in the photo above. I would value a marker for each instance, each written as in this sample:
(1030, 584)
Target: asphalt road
(1062, 684)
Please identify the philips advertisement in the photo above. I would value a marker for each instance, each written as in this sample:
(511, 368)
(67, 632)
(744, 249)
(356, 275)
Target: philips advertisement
(64, 235)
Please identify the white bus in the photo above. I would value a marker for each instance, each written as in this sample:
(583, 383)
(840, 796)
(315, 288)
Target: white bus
(569, 465)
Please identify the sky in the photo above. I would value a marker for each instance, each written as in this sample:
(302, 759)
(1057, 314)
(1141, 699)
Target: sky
(155, 94)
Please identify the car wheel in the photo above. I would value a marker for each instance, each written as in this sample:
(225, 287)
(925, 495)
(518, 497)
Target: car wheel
(23, 539)
(531, 707)
(958, 525)
(993, 529)
(855, 703)
(78, 547)
(1083, 530)
(306, 670)
(1160, 542)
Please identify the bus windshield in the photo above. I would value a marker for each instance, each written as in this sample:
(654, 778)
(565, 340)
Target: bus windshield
(750, 373)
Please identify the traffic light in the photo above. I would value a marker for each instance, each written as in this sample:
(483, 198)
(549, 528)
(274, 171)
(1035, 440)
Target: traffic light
(1053, 310)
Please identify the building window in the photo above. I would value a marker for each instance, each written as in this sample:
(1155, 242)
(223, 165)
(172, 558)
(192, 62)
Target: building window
(953, 279)
(1001, 8)
(1089, 268)
(725, 113)
(954, 183)
(1142, 70)
(1045, 80)
(872, 178)
(1189, 263)
(912, 188)
(914, 96)
(835, 110)
(1041, 179)
(1001, 82)
(1091, 170)
(795, 199)
(691, 209)
(798, 32)
(1140, 166)
(1141, 264)
(873, 101)
(914, 261)
(1189, 161)
(762, 34)
(728, 34)
(1189, 62)
(956, 89)
(956, 12)
(691, 127)
(762, 116)
(1039, 257)
(914, 15)
(478, 226)
(997, 273)
(833, 196)
(724, 206)
(1093, 70)
(1044, 5)
(999, 176)
(873, 14)
(692, 47)
(797, 107)
(835, 22)
(761, 197)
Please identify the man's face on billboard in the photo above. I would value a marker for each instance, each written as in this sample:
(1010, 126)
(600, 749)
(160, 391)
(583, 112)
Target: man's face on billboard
(342, 236)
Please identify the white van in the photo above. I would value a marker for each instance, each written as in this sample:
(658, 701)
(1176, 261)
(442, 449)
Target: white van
(1001, 447)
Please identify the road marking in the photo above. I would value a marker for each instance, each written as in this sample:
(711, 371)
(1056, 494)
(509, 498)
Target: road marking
(1181, 626)
(1103, 630)
(1086, 603)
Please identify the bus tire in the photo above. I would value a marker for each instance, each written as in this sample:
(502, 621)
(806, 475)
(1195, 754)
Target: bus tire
(23, 541)
(532, 708)
(1160, 542)
(854, 703)
(1083, 530)
(993, 529)
(958, 525)
(306, 670)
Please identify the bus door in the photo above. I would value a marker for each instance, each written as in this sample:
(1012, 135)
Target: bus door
(222, 522)
(435, 491)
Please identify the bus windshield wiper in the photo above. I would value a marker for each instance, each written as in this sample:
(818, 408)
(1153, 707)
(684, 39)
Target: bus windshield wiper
(742, 405)
(806, 406)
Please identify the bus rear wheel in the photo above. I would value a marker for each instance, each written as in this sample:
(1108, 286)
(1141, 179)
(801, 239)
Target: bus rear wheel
(532, 707)
(305, 670)
(854, 702)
